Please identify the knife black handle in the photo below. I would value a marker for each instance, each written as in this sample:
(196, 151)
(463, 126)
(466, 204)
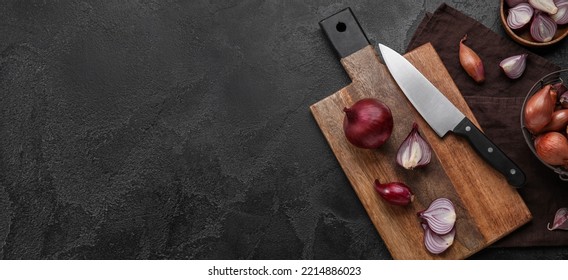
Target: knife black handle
(490, 152)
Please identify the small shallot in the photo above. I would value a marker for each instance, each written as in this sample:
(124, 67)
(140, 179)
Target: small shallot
(414, 150)
(560, 220)
(558, 122)
(440, 216)
(552, 148)
(547, 6)
(436, 243)
(395, 193)
(561, 17)
(543, 27)
(519, 15)
(538, 110)
(471, 62)
(514, 66)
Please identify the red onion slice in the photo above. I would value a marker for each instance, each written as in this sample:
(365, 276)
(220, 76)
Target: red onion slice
(514, 66)
(519, 15)
(435, 243)
(543, 27)
(561, 16)
(440, 215)
(560, 220)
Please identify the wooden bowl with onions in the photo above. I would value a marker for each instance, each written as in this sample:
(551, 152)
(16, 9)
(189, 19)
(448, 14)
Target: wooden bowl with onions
(522, 35)
(544, 121)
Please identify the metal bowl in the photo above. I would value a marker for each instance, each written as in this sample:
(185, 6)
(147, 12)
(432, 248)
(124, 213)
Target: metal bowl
(552, 78)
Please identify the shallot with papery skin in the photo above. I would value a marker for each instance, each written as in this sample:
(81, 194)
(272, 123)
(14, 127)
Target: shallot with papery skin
(414, 151)
(560, 220)
(395, 193)
(552, 148)
(519, 15)
(538, 110)
(368, 123)
(471, 62)
(440, 216)
(514, 66)
(558, 121)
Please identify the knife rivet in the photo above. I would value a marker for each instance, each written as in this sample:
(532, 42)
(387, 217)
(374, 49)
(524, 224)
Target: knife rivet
(490, 149)
(513, 171)
(468, 128)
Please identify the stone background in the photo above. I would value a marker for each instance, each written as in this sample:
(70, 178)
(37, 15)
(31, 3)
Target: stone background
(142, 129)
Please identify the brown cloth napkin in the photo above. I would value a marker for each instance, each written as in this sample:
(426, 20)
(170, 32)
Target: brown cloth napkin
(497, 106)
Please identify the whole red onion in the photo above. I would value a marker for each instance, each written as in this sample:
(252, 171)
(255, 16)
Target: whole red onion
(368, 123)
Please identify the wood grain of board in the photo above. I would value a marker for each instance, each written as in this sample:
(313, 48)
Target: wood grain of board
(487, 207)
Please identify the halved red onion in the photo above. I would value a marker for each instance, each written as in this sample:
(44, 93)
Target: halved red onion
(514, 66)
(519, 15)
(561, 16)
(440, 215)
(560, 220)
(436, 243)
(414, 151)
(543, 27)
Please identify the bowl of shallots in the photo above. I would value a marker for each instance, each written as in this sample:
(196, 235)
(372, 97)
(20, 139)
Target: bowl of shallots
(535, 23)
(544, 121)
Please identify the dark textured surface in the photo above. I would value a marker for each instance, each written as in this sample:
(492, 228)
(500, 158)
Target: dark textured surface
(181, 129)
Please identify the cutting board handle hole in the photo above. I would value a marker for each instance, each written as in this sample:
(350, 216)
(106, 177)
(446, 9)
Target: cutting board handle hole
(341, 27)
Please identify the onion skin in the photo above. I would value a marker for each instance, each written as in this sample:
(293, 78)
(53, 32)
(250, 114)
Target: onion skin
(538, 110)
(558, 122)
(395, 193)
(368, 123)
(552, 148)
(471, 62)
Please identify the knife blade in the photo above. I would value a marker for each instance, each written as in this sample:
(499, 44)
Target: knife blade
(443, 116)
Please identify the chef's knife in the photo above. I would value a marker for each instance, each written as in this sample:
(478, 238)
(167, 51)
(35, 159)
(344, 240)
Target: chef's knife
(443, 116)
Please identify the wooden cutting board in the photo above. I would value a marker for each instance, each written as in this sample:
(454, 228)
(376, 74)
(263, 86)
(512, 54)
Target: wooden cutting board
(487, 207)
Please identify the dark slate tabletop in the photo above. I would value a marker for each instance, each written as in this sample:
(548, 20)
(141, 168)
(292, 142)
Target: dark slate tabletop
(182, 130)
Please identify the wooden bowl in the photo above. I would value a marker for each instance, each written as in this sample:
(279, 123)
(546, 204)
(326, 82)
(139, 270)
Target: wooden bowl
(523, 36)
